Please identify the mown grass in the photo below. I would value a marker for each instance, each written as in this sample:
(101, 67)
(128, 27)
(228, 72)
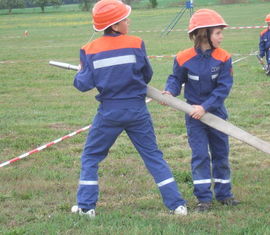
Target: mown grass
(38, 104)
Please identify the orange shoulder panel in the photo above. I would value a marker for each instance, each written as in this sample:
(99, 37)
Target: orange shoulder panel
(221, 54)
(184, 56)
(107, 43)
(263, 32)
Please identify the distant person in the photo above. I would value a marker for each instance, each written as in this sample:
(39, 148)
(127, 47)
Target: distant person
(206, 71)
(264, 44)
(117, 66)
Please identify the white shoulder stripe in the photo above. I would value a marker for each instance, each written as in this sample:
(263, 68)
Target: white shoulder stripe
(117, 60)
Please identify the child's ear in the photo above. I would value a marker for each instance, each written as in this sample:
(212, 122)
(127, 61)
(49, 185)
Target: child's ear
(115, 27)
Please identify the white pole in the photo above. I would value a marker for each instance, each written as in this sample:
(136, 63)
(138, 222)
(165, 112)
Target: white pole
(64, 65)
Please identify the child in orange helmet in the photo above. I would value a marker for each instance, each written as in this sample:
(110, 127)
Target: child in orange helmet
(117, 66)
(264, 44)
(206, 71)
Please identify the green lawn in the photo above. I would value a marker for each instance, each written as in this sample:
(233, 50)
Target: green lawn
(38, 104)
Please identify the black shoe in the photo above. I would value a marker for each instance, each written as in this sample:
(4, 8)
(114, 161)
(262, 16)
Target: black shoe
(203, 206)
(267, 71)
(229, 202)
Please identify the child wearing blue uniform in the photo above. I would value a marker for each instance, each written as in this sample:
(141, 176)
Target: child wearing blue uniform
(206, 71)
(264, 44)
(117, 66)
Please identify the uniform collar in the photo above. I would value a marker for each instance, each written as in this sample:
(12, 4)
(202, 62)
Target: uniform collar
(112, 34)
(206, 53)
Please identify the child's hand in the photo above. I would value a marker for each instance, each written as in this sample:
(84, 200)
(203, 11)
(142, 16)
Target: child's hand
(79, 67)
(165, 92)
(198, 112)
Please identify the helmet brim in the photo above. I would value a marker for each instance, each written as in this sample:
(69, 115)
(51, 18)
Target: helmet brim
(208, 26)
(122, 18)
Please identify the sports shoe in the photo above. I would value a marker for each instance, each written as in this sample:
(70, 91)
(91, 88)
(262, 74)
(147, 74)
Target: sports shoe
(91, 213)
(229, 202)
(180, 210)
(203, 206)
(267, 70)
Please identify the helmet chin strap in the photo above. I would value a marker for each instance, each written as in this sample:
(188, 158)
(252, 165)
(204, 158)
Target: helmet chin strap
(93, 34)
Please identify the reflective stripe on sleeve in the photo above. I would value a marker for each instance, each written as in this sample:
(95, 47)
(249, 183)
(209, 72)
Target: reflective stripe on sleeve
(222, 181)
(88, 182)
(193, 77)
(214, 76)
(117, 60)
(164, 182)
(206, 181)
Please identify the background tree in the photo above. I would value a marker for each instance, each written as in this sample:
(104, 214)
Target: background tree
(11, 4)
(43, 3)
(153, 3)
(129, 2)
(70, 1)
(86, 5)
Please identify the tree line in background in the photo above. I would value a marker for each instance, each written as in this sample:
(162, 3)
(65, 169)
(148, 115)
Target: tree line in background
(84, 4)
(12, 4)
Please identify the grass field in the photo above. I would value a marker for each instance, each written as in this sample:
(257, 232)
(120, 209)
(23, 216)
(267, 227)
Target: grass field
(38, 104)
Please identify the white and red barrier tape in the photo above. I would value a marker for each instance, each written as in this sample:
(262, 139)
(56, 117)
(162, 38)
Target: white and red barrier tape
(150, 57)
(24, 61)
(160, 56)
(248, 27)
(36, 150)
(158, 31)
(183, 30)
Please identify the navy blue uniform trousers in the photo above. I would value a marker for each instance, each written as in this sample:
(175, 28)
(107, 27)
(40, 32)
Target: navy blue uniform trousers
(209, 168)
(114, 117)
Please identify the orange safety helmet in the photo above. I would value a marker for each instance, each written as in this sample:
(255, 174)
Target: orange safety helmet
(109, 12)
(204, 18)
(267, 18)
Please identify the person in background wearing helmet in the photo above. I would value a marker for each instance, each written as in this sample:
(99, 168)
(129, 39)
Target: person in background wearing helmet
(264, 44)
(117, 66)
(206, 71)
